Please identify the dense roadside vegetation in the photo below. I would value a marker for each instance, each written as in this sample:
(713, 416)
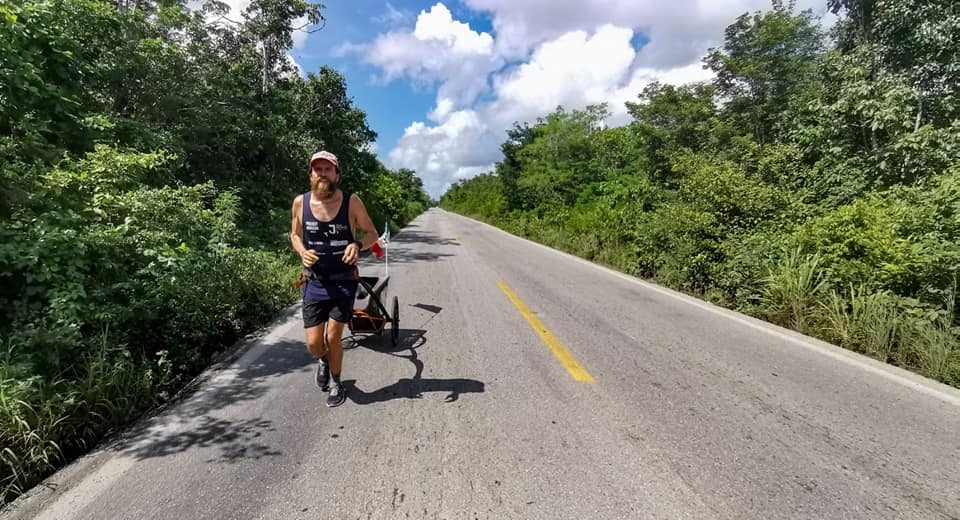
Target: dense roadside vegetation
(814, 183)
(148, 159)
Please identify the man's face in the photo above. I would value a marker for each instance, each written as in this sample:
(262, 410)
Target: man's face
(323, 178)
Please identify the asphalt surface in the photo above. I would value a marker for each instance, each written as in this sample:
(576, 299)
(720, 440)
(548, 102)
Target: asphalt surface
(692, 412)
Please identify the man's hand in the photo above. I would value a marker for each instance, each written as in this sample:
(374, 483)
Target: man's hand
(351, 254)
(309, 257)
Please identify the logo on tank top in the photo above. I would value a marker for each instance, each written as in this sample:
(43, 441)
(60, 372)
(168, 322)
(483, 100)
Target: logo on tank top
(335, 229)
(332, 229)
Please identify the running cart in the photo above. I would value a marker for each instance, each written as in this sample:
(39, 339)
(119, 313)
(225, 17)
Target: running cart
(370, 315)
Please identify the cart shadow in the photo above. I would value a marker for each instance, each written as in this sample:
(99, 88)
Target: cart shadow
(408, 342)
(429, 308)
(413, 389)
(407, 339)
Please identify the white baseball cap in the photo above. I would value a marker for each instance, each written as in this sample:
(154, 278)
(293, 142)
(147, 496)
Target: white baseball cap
(326, 156)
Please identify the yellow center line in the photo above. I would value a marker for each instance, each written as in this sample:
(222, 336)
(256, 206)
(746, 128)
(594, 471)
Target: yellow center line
(559, 351)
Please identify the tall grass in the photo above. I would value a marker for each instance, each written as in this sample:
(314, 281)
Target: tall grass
(792, 290)
(868, 322)
(795, 293)
(114, 376)
(933, 345)
(933, 349)
(27, 434)
(876, 323)
(45, 422)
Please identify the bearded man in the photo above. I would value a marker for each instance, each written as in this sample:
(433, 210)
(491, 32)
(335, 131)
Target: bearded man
(323, 233)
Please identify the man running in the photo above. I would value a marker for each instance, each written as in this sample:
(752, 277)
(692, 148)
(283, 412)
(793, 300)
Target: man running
(322, 232)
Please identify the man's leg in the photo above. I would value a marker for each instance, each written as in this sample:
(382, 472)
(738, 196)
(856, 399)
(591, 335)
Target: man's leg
(335, 347)
(315, 341)
(315, 314)
(340, 315)
(335, 355)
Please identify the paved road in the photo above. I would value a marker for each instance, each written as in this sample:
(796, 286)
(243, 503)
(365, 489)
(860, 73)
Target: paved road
(686, 411)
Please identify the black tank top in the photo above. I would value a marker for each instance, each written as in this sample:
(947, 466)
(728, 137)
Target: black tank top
(329, 239)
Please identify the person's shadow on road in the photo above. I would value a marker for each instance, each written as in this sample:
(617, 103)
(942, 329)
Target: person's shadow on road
(413, 389)
(409, 341)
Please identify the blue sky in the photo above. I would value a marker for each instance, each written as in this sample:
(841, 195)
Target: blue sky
(390, 105)
(441, 81)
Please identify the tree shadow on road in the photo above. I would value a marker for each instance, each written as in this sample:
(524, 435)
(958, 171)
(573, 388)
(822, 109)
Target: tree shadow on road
(199, 418)
(403, 245)
(192, 421)
(414, 235)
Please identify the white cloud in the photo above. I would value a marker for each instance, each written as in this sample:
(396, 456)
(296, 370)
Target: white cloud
(440, 50)
(394, 17)
(458, 148)
(438, 24)
(298, 70)
(300, 35)
(562, 52)
(444, 106)
(643, 76)
(371, 147)
(574, 69)
(679, 30)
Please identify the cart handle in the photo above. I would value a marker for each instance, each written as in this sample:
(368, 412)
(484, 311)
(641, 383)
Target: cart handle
(373, 296)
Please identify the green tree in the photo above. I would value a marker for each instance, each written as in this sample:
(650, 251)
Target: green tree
(766, 58)
(149, 158)
(558, 165)
(509, 169)
(669, 119)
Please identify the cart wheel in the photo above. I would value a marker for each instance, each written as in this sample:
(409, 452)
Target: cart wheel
(395, 323)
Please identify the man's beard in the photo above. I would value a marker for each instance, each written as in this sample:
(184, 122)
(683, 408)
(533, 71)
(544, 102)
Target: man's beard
(322, 188)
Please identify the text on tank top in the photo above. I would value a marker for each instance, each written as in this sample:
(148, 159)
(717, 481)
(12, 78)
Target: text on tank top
(329, 239)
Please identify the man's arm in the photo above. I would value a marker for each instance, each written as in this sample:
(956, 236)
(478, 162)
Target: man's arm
(361, 220)
(296, 238)
(296, 234)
